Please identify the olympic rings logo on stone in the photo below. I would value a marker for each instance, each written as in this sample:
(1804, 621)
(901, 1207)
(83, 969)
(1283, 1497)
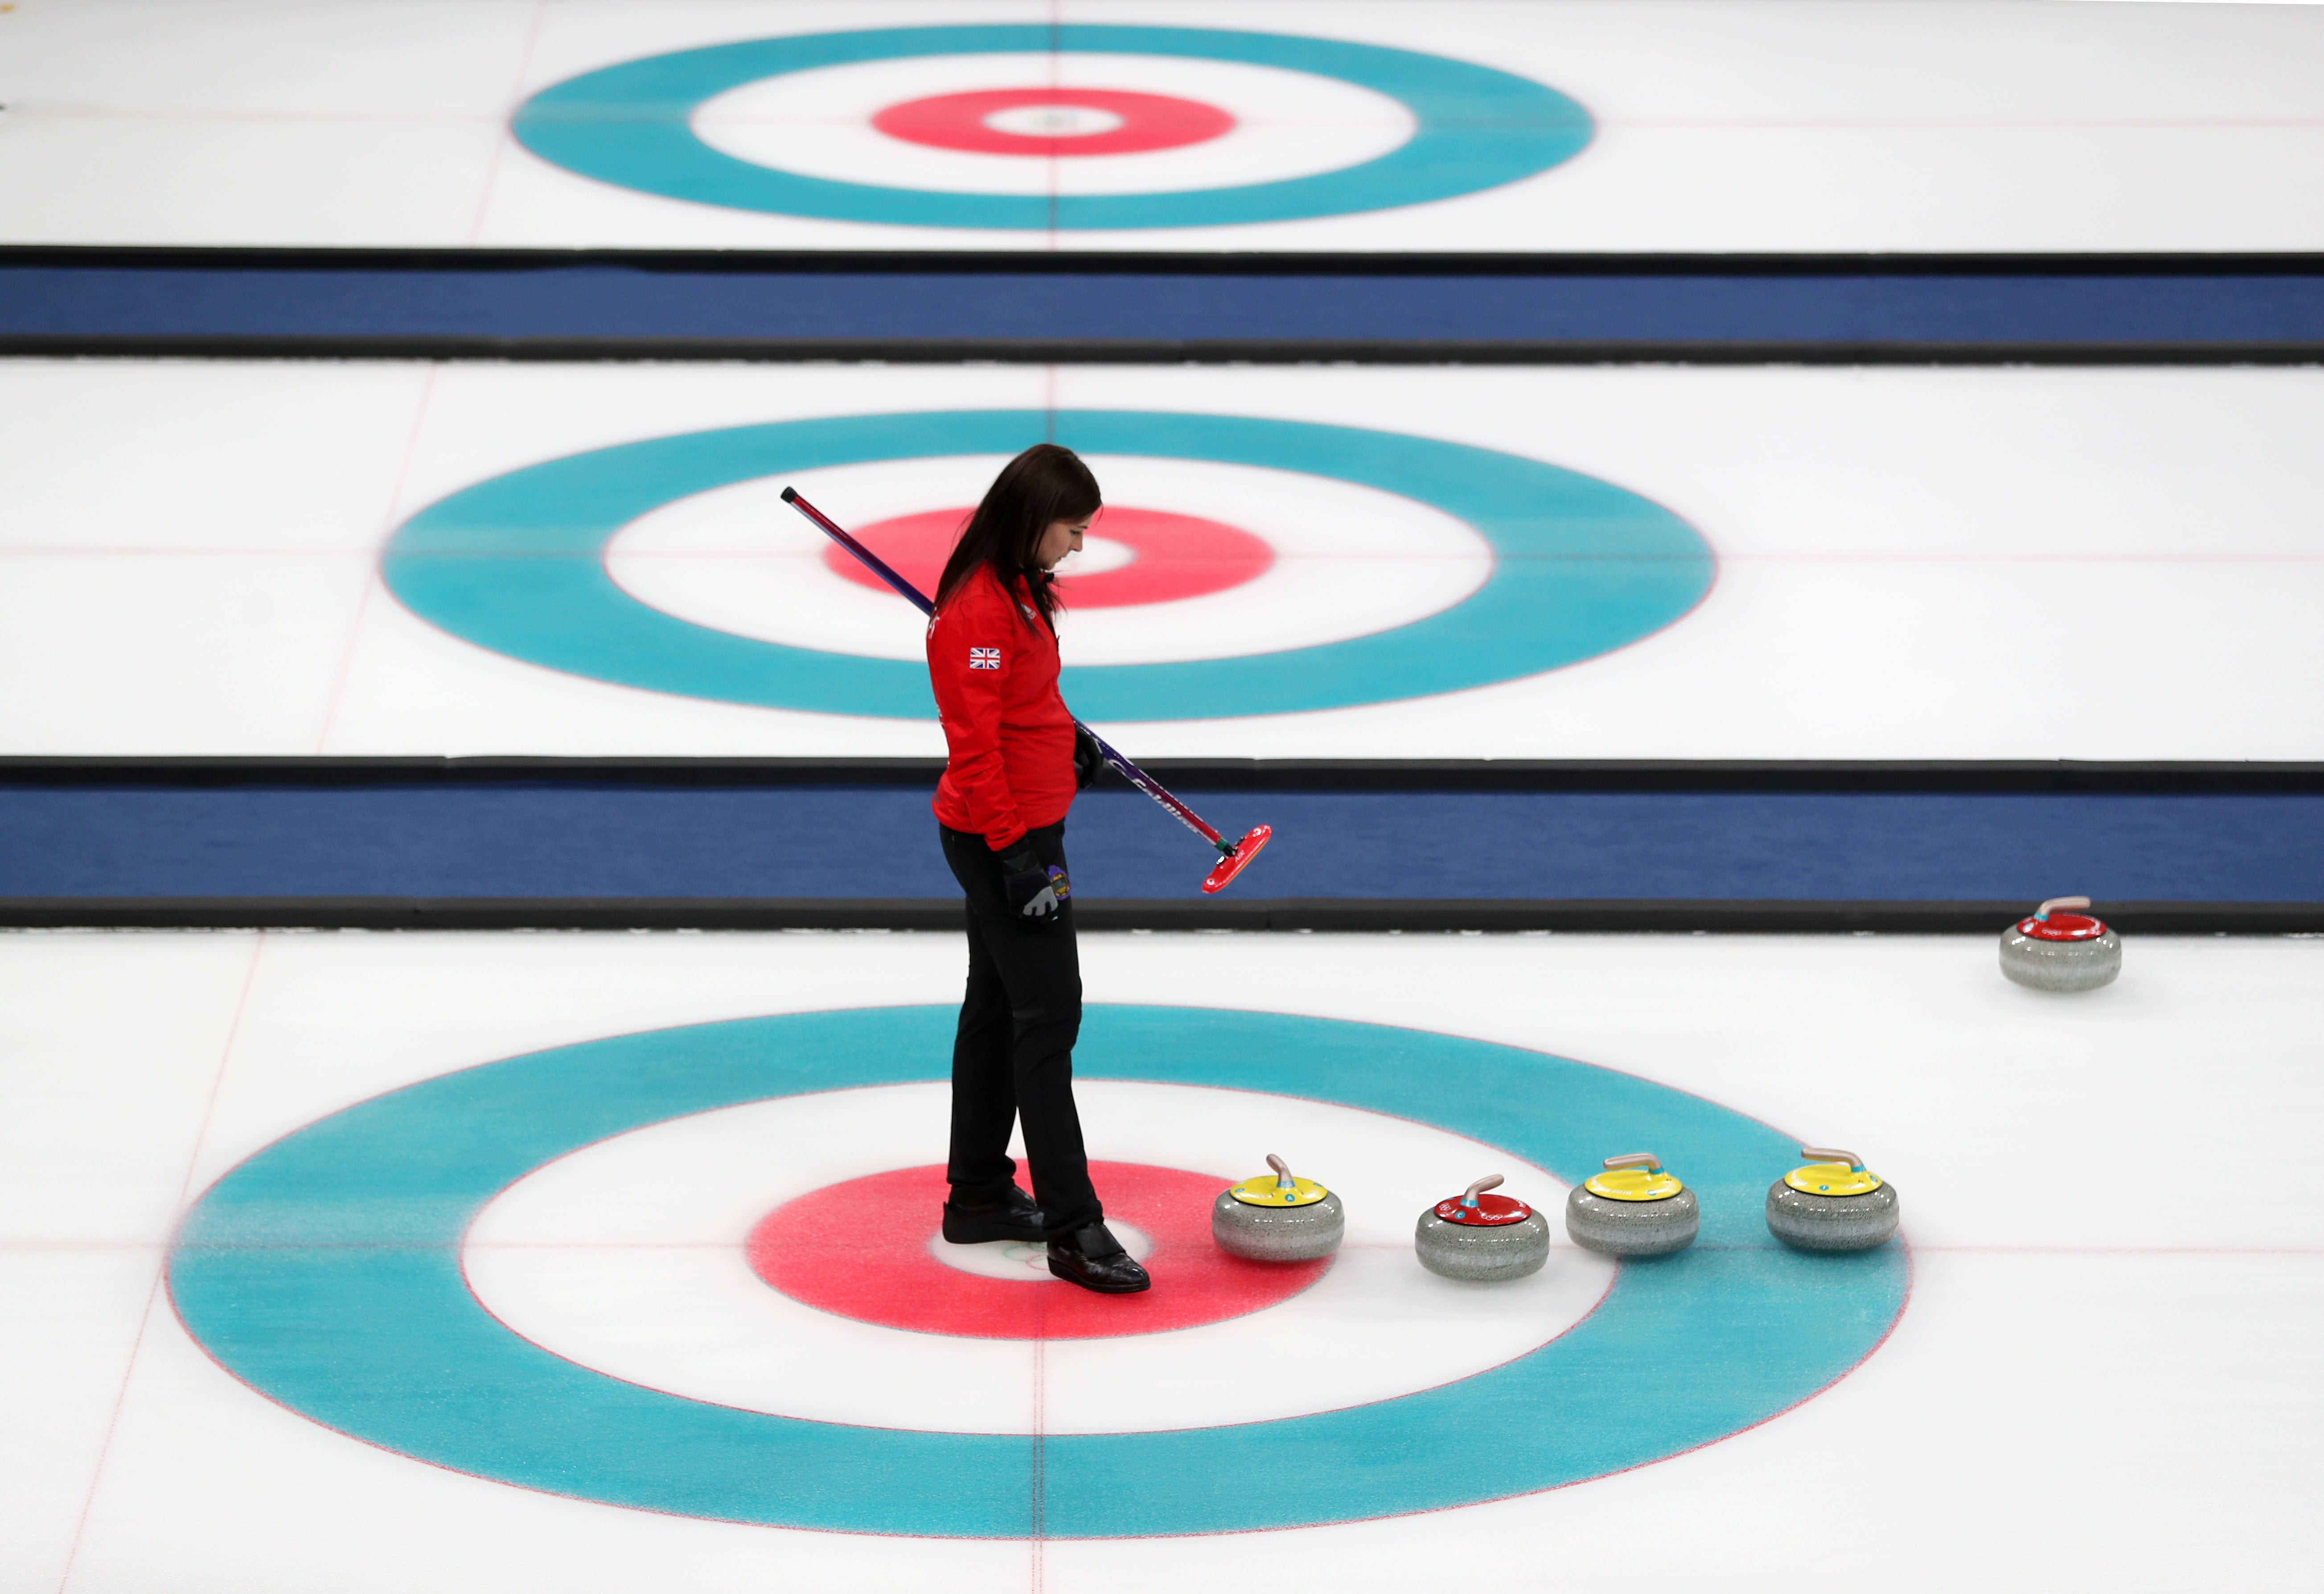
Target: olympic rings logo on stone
(325, 1272)
(631, 125)
(1579, 566)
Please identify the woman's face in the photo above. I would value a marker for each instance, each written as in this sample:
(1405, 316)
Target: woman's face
(1062, 538)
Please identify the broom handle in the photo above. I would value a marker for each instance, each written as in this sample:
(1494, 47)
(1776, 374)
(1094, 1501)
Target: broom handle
(1106, 750)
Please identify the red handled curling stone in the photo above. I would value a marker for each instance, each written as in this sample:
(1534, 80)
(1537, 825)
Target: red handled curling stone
(1277, 1217)
(2055, 951)
(1633, 1209)
(1481, 1239)
(1832, 1205)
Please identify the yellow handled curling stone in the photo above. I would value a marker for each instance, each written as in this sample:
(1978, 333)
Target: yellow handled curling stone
(1278, 1217)
(1832, 1204)
(1633, 1208)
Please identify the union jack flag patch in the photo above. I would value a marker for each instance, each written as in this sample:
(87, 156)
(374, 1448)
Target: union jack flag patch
(984, 658)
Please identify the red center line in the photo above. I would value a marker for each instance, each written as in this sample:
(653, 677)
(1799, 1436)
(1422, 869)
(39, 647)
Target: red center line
(1358, 1245)
(191, 553)
(372, 578)
(2019, 558)
(1770, 123)
(1732, 559)
(154, 1291)
(776, 120)
(1056, 38)
(1353, 1245)
(800, 554)
(1036, 1536)
(508, 134)
(2125, 1251)
(1879, 123)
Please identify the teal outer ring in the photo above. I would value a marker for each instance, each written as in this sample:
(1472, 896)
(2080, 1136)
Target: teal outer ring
(1581, 566)
(630, 125)
(324, 1271)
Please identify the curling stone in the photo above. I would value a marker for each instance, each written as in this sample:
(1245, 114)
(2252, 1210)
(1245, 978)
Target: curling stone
(1832, 1205)
(2054, 951)
(1633, 1209)
(1482, 1238)
(1276, 1218)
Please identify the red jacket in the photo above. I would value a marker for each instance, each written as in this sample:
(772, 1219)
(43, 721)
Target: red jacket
(992, 661)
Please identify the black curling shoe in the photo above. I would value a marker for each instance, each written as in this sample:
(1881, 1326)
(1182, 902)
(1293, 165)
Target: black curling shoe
(1012, 1217)
(1092, 1259)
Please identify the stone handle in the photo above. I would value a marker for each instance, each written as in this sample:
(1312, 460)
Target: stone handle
(1468, 1196)
(1856, 1163)
(2042, 912)
(1636, 1160)
(1282, 1171)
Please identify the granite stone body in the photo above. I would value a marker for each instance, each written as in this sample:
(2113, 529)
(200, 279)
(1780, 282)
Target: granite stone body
(1278, 1234)
(2061, 965)
(1481, 1253)
(1632, 1227)
(1831, 1222)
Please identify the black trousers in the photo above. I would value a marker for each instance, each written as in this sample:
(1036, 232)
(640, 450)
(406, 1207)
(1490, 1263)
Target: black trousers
(1012, 1058)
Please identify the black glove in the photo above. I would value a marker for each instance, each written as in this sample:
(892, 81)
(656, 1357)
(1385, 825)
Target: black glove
(1089, 763)
(1034, 891)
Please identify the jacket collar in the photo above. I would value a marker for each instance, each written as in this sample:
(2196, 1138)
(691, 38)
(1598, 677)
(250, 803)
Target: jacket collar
(1021, 593)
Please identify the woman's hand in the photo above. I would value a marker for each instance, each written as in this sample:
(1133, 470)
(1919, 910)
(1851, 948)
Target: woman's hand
(1089, 763)
(1033, 892)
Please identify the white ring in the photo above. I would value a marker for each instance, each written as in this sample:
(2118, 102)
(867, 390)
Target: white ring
(1287, 124)
(1349, 560)
(628, 1257)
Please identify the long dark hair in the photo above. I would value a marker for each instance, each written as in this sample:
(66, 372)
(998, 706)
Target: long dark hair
(1044, 485)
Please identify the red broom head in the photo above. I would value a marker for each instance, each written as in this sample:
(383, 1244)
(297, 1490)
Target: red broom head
(1234, 862)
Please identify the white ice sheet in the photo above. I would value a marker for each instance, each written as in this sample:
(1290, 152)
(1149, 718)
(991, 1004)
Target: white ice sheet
(2090, 1388)
(2120, 564)
(1721, 124)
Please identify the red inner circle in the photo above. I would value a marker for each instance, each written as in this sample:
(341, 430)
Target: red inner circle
(1178, 555)
(861, 1249)
(1149, 121)
(2062, 927)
